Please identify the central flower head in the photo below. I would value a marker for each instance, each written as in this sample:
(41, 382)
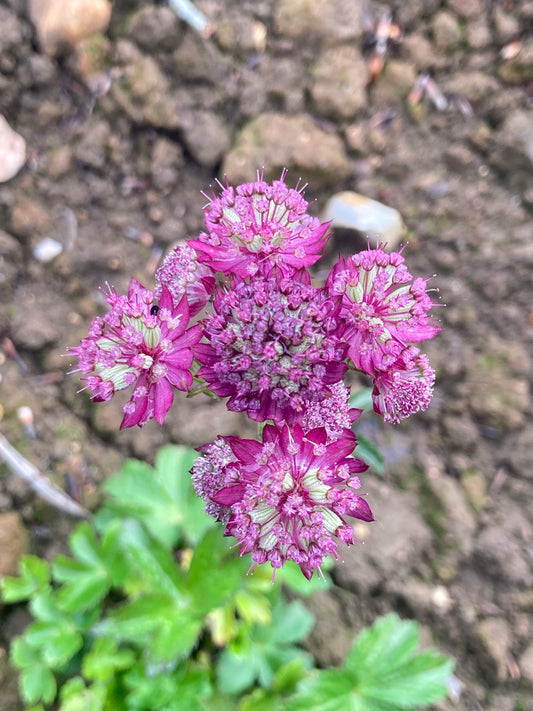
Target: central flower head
(288, 495)
(259, 223)
(274, 345)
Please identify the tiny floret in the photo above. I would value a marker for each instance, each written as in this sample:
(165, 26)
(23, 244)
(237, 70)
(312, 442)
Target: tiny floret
(274, 346)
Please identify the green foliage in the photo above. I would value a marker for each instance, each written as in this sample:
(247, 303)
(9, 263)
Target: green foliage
(382, 672)
(152, 611)
(366, 450)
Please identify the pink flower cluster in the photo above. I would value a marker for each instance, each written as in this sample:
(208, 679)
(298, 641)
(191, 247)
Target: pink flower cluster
(278, 347)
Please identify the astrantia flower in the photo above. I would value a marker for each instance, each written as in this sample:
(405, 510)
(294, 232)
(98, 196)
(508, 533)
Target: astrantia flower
(290, 496)
(405, 387)
(385, 309)
(333, 412)
(184, 274)
(257, 223)
(274, 346)
(209, 476)
(142, 344)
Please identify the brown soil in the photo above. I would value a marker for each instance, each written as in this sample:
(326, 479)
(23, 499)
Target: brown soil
(123, 137)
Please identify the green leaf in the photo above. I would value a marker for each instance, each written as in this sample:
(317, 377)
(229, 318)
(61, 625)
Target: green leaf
(215, 573)
(106, 658)
(263, 651)
(362, 399)
(34, 578)
(383, 672)
(369, 453)
(162, 498)
(292, 576)
(37, 683)
(75, 696)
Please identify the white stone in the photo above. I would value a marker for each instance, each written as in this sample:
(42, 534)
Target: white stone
(350, 210)
(47, 249)
(61, 25)
(12, 151)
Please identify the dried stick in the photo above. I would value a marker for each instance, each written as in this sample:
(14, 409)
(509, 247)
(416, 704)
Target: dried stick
(42, 486)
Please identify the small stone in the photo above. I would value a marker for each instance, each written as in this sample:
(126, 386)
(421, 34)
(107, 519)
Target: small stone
(10, 259)
(475, 488)
(59, 161)
(43, 70)
(92, 148)
(276, 141)
(494, 639)
(47, 249)
(466, 9)
(473, 86)
(331, 21)
(12, 151)
(519, 69)
(60, 26)
(419, 51)
(446, 30)
(242, 35)
(206, 137)
(154, 28)
(394, 84)
(29, 218)
(91, 61)
(349, 210)
(339, 83)
(11, 34)
(506, 25)
(143, 92)
(525, 664)
(167, 158)
(478, 34)
(13, 543)
(499, 556)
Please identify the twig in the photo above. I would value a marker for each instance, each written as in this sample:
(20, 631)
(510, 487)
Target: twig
(192, 16)
(42, 486)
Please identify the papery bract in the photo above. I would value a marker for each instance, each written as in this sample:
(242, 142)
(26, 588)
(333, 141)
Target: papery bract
(289, 495)
(274, 345)
(185, 275)
(141, 344)
(405, 387)
(384, 308)
(257, 224)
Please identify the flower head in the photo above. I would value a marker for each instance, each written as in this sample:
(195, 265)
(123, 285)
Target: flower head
(333, 412)
(290, 493)
(259, 223)
(209, 476)
(385, 309)
(184, 274)
(141, 344)
(274, 345)
(405, 387)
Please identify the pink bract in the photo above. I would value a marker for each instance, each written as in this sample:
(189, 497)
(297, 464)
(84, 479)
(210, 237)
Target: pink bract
(185, 275)
(289, 495)
(258, 224)
(405, 387)
(384, 307)
(142, 344)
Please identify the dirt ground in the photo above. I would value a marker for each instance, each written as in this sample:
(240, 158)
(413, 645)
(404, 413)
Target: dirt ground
(125, 133)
